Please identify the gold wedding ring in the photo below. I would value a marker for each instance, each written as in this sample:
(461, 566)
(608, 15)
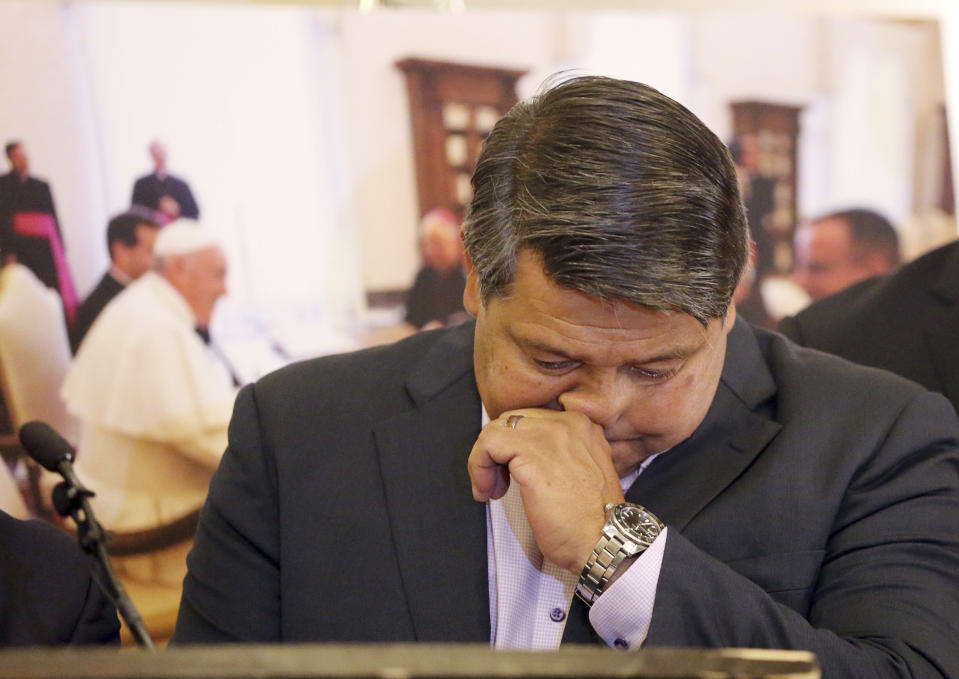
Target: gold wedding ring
(513, 420)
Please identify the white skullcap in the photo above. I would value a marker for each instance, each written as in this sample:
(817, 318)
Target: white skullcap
(181, 237)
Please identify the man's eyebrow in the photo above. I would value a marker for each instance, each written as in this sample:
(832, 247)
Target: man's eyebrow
(676, 353)
(542, 346)
(672, 354)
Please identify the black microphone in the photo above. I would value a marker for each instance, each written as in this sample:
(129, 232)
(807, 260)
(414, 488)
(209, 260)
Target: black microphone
(45, 445)
(71, 498)
(52, 452)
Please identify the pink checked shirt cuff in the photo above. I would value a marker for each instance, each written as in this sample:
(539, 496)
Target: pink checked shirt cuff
(621, 615)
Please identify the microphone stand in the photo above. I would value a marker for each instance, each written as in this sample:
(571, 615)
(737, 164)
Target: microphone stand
(71, 498)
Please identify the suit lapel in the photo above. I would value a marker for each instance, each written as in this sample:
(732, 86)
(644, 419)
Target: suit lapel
(680, 483)
(943, 337)
(439, 531)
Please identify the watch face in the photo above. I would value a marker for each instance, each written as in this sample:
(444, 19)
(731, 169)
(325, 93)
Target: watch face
(637, 522)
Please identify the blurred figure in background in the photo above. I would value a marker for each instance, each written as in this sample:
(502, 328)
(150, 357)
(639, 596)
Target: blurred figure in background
(436, 298)
(906, 322)
(757, 191)
(170, 197)
(47, 596)
(748, 297)
(29, 229)
(153, 402)
(842, 248)
(130, 239)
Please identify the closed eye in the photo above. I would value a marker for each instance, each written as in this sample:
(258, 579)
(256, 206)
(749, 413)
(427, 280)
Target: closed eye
(556, 366)
(656, 375)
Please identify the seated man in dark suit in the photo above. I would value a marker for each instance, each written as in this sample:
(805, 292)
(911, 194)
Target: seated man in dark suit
(130, 239)
(47, 596)
(906, 322)
(605, 455)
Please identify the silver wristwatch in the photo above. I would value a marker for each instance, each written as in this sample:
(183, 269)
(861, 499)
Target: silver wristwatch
(629, 531)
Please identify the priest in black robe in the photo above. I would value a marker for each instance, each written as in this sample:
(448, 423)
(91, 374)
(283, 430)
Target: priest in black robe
(436, 298)
(19, 192)
(168, 196)
(29, 229)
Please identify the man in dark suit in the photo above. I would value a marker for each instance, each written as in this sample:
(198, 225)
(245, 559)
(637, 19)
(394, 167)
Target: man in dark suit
(47, 596)
(606, 428)
(906, 322)
(170, 197)
(130, 239)
(842, 248)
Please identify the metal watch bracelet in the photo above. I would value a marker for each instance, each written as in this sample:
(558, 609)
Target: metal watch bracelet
(607, 555)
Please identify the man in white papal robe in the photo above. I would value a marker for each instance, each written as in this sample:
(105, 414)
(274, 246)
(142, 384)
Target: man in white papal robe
(154, 404)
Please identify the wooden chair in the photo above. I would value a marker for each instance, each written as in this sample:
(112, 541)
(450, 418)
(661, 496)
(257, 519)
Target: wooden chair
(34, 358)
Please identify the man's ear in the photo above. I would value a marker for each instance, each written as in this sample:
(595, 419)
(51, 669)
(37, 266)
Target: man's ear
(876, 264)
(730, 319)
(472, 300)
(174, 267)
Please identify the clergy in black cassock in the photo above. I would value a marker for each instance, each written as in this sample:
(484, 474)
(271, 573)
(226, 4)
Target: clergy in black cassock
(168, 196)
(19, 192)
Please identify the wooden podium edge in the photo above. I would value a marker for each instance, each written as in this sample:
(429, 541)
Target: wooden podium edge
(404, 661)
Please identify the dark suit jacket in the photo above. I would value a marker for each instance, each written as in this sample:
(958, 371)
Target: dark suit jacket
(46, 594)
(906, 322)
(108, 288)
(435, 296)
(148, 190)
(815, 507)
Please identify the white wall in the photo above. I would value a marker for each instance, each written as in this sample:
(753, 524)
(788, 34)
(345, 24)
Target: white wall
(873, 92)
(654, 48)
(45, 102)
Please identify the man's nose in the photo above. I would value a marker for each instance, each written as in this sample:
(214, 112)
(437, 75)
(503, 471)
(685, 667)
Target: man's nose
(603, 399)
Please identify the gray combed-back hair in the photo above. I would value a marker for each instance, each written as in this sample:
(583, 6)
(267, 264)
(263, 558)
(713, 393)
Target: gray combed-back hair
(623, 192)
